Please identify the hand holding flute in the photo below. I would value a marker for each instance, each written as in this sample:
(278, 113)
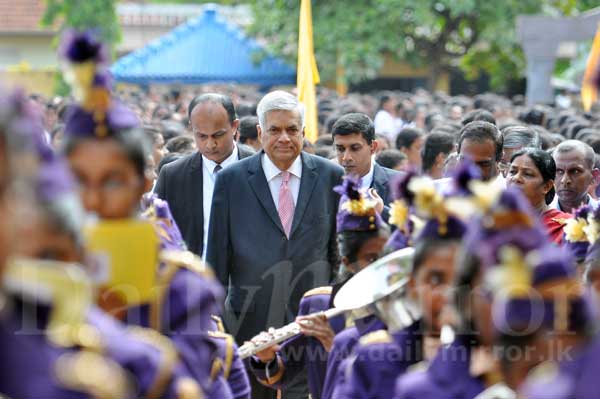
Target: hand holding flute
(313, 325)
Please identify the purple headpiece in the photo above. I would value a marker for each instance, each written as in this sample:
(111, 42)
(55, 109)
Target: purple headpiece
(79, 47)
(96, 114)
(465, 173)
(400, 211)
(356, 211)
(509, 222)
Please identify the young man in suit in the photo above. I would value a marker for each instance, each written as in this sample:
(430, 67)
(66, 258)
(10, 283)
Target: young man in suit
(355, 145)
(272, 233)
(188, 183)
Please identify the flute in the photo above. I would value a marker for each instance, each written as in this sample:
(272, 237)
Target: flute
(274, 336)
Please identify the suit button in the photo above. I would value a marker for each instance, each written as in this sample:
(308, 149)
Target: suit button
(284, 238)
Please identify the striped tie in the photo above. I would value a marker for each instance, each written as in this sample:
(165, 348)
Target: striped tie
(286, 204)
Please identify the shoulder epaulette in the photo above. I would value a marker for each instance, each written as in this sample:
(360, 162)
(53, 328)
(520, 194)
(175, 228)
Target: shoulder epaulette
(376, 337)
(227, 361)
(99, 369)
(186, 259)
(326, 290)
(217, 334)
(218, 322)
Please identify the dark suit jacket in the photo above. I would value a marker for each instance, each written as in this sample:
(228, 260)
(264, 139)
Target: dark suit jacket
(381, 182)
(267, 274)
(180, 184)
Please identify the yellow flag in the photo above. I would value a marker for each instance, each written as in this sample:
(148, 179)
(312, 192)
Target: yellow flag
(589, 90)
(307, 73)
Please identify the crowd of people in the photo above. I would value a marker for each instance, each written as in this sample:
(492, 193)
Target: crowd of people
(147, 235)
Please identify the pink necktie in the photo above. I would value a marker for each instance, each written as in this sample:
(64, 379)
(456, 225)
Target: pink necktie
(286, 203)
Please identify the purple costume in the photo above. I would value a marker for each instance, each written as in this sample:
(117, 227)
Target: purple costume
(446, 377)
(343, 346)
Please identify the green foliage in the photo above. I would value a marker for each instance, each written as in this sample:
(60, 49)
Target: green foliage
(99, 15)
(477, 35)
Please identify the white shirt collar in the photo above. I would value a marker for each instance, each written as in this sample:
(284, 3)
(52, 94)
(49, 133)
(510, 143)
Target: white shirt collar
(367, 180)
(272, 171)
(210, 165)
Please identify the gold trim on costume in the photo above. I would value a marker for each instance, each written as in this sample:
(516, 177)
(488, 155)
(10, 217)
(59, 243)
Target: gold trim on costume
(93, 374)
(376, 337)
(271, 380)
(169, 356)
(325, 290)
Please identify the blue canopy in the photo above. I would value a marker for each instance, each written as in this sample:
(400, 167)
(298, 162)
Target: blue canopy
(205, 49)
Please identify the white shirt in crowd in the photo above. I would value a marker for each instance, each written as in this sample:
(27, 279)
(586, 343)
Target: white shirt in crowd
(385, 124)
(208, 186)
(273, 175)
(367, 180)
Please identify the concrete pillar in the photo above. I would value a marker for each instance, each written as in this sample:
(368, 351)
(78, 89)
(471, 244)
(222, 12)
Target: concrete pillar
(539, 73)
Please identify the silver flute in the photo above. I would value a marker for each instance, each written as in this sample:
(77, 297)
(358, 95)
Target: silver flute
(274, 336)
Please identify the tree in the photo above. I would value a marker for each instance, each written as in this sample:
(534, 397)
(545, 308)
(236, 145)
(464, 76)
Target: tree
(99, 15)
(476, 35)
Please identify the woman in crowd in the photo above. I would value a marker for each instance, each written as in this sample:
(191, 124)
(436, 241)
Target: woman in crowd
(533, 171)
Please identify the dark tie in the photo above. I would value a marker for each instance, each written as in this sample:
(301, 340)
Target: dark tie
(217, 169)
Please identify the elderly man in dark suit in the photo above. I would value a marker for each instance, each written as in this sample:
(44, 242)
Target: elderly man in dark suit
(187, 184)
(355, 145)
(272, 230)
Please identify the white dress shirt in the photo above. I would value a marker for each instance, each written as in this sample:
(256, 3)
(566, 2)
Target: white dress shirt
(590, 201)
(208, 186)
(273, 175)
(367, 180)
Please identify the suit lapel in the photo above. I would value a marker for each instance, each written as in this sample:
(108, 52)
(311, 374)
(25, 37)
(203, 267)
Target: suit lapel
(195, 183)
(258, 182)
(307, 185)
(380, 181)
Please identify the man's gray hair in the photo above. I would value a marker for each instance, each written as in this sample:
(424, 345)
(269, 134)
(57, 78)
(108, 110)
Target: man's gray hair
(576, 145)
(278, 101)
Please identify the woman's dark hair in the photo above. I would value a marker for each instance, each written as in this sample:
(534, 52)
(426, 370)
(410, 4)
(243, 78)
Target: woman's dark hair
(134, 142)
(544, 163)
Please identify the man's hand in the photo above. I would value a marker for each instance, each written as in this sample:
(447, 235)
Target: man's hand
(378, 200)
(317, 326)
(268, 354)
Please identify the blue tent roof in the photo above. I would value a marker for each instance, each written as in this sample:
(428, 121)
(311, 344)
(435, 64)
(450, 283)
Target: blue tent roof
(205, 49)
